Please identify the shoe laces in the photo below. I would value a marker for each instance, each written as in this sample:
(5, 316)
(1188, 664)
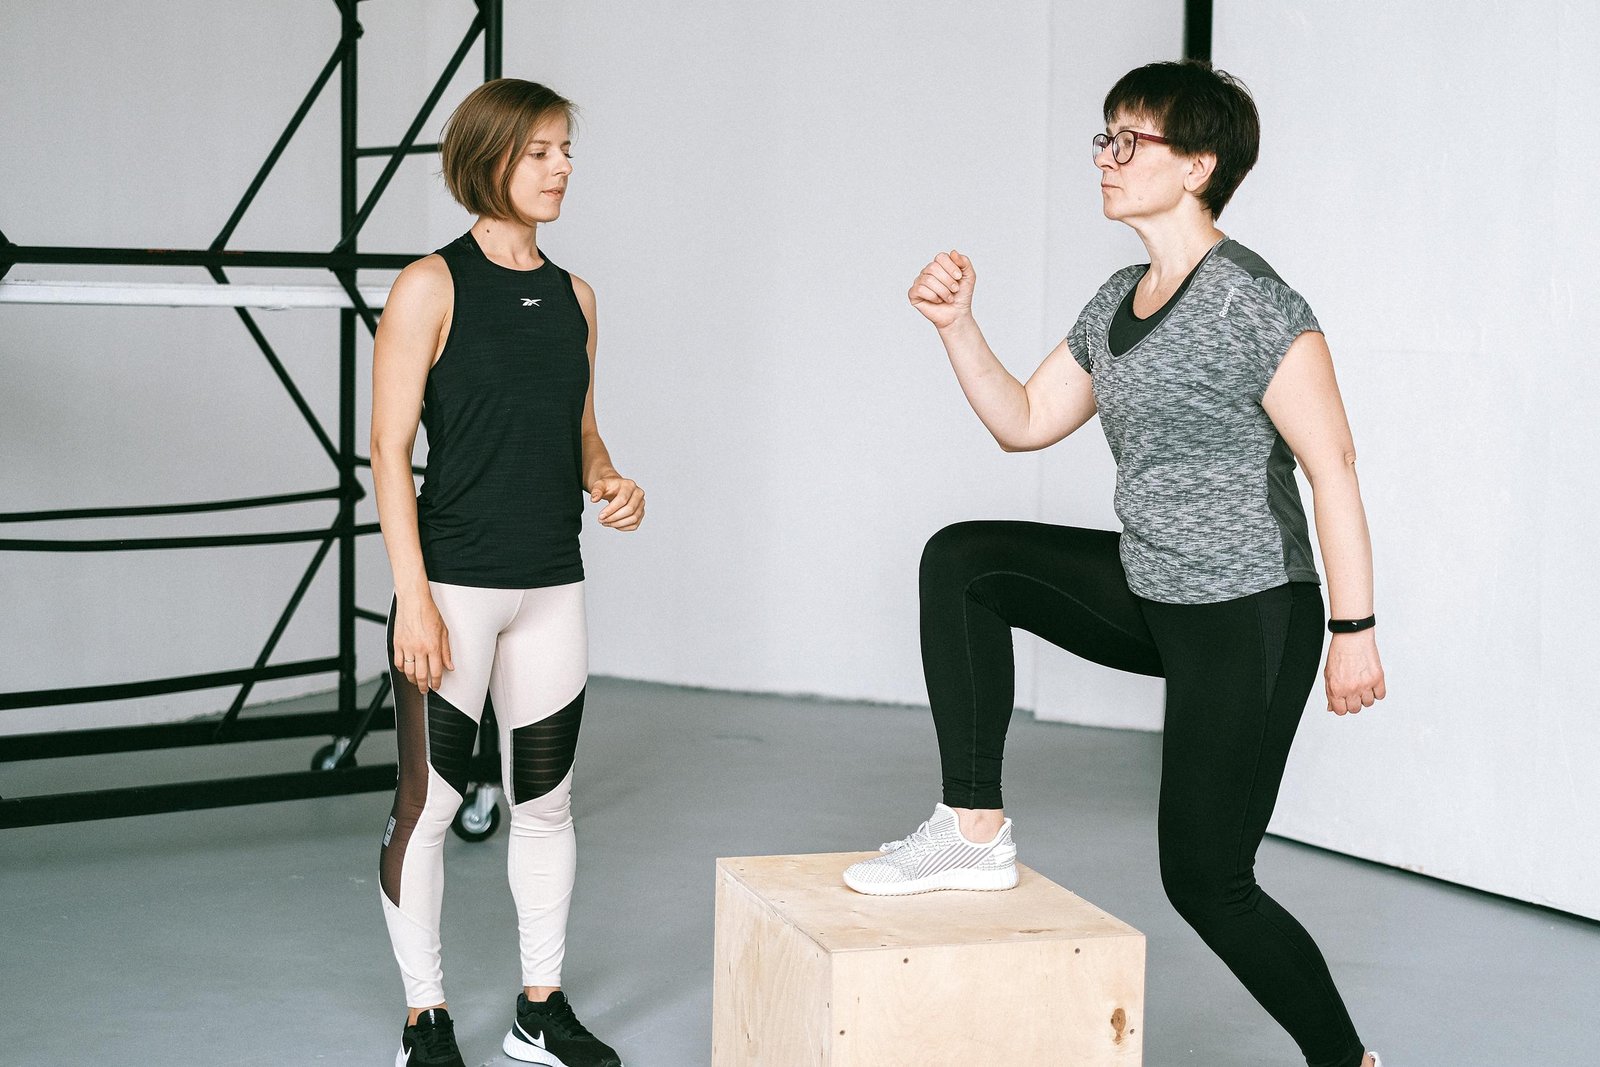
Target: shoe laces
(922, 835)
(437, 1041)
(562, 1019)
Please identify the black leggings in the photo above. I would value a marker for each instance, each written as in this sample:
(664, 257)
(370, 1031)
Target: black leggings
(1238, 674)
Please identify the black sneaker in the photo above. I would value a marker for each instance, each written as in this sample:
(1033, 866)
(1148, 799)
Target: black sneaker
(429, 1042)
(547, 1032)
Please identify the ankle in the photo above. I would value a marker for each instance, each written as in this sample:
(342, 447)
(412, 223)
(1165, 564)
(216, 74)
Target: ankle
(537, 993)
(979, 825)
(412, 1013)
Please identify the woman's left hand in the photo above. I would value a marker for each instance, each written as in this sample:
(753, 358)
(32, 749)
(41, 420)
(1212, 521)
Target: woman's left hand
(1354, 675)
(626, 508)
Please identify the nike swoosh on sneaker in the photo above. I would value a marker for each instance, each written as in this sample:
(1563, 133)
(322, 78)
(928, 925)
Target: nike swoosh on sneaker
(530, 1039)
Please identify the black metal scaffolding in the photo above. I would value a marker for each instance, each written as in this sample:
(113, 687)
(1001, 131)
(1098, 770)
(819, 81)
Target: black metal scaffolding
(1197, 21)
(347, 723)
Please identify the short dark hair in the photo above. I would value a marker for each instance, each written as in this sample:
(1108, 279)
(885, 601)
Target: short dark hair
(485, 135)
(1197, 109)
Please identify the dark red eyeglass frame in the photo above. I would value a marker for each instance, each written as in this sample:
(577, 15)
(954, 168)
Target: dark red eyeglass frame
(1103, 140)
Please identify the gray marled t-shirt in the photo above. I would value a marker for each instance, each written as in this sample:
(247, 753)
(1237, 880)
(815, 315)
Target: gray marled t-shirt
(1205, 486)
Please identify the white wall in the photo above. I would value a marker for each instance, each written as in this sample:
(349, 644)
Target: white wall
(756, 186)
(1427, 181)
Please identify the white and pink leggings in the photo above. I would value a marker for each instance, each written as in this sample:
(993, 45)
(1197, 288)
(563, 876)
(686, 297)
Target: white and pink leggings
(527, 649)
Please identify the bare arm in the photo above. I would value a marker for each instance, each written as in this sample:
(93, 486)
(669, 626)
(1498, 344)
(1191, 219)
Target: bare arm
(1304, 404)
(1058, 397)
(625, 507)
(410, 335)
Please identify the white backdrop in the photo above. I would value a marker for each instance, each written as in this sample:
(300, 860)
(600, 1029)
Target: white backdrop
(755, 187)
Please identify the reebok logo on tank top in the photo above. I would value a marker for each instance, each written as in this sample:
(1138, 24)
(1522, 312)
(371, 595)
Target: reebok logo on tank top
(529, 302)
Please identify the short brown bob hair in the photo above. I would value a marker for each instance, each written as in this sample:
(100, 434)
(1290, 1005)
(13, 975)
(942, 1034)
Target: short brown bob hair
(486, 132)
(1198, 109)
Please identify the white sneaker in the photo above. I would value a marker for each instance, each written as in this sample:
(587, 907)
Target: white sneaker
(936, 856)
(1375, 1061)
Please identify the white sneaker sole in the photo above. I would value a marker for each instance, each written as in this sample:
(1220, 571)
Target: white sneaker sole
(526, 1052)
(959, 878)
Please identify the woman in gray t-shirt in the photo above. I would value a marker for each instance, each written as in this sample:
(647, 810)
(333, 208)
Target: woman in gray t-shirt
(1211, 378)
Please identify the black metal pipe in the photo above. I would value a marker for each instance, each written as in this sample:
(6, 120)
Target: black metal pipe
(191, 796)
(389, 150)
(216, 793)
(88, 694)
(493, 36)
(371, 616)
(366, 461)
(348, 228)
(1197, 22)
(147, 544)
(64, 744)
(171, 509)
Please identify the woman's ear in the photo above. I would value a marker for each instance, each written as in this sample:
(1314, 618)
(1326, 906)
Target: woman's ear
(1199, 173)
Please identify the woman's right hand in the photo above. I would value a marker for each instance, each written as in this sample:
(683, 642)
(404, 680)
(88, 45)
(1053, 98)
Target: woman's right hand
(943, 291)
(421, 644)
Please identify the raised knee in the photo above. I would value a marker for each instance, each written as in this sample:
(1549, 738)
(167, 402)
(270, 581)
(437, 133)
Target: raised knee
(952, 549)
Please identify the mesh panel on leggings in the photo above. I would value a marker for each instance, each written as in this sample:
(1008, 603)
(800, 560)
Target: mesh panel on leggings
(412, 788)
(542, 752)
(451, 734)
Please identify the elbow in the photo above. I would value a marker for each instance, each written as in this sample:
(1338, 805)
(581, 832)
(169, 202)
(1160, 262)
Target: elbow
(385, 449)
(1013, 444)
(1335, 469)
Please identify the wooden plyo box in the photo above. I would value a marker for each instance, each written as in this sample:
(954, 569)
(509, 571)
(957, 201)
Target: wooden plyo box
(812, 974)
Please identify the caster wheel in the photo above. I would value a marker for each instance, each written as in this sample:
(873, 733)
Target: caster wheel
(326, 756)
(478, 817)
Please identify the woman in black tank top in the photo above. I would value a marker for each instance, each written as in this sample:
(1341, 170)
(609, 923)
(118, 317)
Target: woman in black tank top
(490, 346)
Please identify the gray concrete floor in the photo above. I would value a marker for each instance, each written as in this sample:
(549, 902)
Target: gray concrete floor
(253, 935)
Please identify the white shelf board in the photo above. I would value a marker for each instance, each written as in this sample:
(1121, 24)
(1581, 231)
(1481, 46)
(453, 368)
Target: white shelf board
(185, 294)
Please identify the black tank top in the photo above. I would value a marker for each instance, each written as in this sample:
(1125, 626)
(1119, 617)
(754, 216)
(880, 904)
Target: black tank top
(501, 503)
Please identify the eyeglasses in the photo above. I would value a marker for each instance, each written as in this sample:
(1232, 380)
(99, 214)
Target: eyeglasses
(1123, 144)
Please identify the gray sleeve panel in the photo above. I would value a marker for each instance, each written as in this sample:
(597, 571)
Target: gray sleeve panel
(1088, 332)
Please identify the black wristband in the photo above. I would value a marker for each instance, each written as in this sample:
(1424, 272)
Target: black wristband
(1351, 626)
